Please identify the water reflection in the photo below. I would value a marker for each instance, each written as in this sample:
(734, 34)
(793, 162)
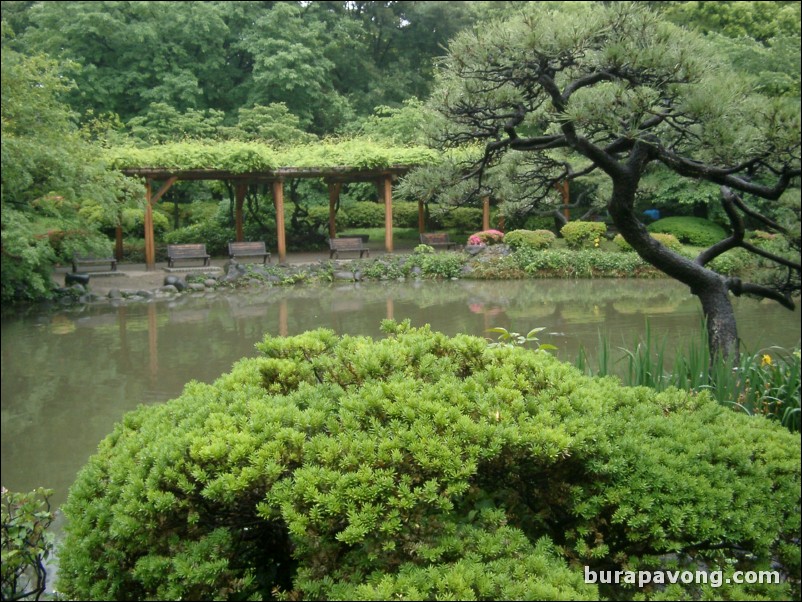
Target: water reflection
(69, 375)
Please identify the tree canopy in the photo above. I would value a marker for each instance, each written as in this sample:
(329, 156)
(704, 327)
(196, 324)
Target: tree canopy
(587, 88)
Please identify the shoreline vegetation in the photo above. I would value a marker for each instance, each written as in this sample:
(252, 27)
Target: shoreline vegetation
(492, 262)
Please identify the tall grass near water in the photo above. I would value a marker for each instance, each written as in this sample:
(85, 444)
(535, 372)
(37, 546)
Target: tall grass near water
(766, 382)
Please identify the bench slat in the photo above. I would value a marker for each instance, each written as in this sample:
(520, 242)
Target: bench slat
(248, 249)
(188, 251)
(437, 239)
(336, 245)
(88, 260)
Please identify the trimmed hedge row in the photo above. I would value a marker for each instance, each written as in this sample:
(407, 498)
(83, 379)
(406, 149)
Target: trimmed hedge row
(423, 466)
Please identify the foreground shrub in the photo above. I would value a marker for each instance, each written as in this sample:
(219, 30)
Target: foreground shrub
(695, 231)
(537, 239)
(423, 466)
(583, 235)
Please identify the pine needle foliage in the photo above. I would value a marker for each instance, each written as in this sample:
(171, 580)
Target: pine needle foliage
(422, 466)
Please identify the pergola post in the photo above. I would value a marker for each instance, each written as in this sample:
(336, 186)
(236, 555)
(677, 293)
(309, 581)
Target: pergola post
(387, 194)
(150, 199)
(485, 213)
(278, 200)
(421, 218)
(334, 197)
(118, 243)
(565, 192)
(150, 246)
(242, 188)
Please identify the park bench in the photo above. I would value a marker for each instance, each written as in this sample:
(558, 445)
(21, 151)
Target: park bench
(81, 261)
(437, 239)
(338, 245)
(248, 249)
(182, 252)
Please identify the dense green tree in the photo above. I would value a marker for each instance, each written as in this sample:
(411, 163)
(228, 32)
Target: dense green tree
(621, 90)
(760, 21)
(328, 62)
(291, 66)
(136, 53)
(48, 171)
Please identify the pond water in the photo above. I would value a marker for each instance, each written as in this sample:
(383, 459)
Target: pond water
(69, 375)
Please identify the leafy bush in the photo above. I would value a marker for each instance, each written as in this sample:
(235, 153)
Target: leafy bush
(442, 265)
(26, 261)
(133, 222)
(732, 262)
(583, 263)
(215, 236)
(405, 215)
(423, 466)
(539, 222)
(583, 235)
(695, 231)
(667, 240)
(537, 239)
(486, 237)
(27, 543)
(460, 219)
(365, 214)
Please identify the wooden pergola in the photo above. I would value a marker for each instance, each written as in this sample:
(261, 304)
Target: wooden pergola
(334, 178)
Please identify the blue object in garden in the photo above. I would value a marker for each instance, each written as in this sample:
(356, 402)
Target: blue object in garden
(652, 214)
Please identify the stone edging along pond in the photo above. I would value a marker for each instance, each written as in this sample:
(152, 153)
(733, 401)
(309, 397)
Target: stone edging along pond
(488, 263)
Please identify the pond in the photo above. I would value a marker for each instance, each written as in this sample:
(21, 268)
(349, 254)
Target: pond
(69, 375)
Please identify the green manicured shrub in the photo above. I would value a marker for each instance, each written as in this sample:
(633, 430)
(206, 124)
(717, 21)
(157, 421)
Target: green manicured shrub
(537, 239)
(364, 214)
(405, 215)
(460, 219)
(318, 217)
(667, 240)
(583, 235)
(584, 263)
(215, 236)
(422, 466)
(486, 237)
(695, 231)
(539, 222)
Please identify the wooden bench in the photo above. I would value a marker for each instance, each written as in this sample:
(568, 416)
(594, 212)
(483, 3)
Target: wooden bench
(248, 249)
(87, 260)
(437, 239)
(338, 245)
(182, 252)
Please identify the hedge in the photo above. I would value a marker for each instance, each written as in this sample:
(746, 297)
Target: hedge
(694, 231)
(423, 466)
(580, 235)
